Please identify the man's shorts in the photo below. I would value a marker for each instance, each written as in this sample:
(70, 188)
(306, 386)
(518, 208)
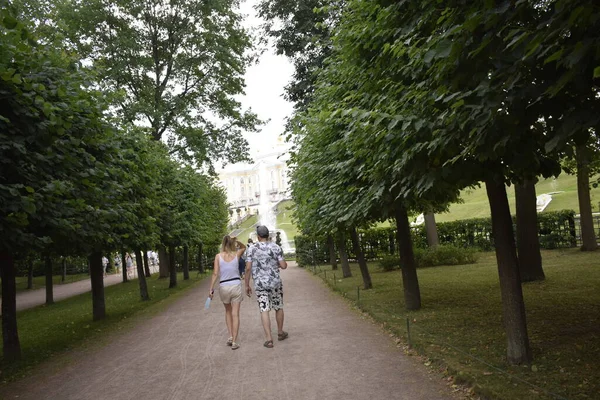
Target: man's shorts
(270, 299)
(231, 293)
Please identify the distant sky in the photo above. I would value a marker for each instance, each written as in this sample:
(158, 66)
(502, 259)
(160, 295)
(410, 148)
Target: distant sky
(265, 82)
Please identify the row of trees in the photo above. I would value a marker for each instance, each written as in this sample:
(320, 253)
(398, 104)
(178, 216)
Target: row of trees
(109, 112)
(403, 104)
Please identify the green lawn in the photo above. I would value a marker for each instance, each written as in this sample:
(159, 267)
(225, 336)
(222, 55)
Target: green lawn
(49, 330)
(476, 203)
(284, 219)
(462, 314)
(247, 227)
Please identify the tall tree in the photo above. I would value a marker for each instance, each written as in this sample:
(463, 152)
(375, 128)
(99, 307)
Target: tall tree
(341, 240)
(141, 276)
(513, 307)
(332, 255)
(431, 229)
(301, 31)
(146, 264)
(177, 66)
(186, 262)
(528, 242)
(408, 266)
(360, 257)
(172, 267)
(97, 279)
(48, 275)
(586, 221)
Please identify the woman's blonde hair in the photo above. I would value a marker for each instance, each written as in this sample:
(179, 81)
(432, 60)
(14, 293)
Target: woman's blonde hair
(229, 244)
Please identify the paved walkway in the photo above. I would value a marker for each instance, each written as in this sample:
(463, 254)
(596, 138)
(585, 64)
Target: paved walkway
(33, 298)
(332, 353)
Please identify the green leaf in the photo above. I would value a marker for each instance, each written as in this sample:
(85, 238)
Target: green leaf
(10, 22)
(597, 72)
(30, 189)
(29, 207)
(459, 103)
(554, 56)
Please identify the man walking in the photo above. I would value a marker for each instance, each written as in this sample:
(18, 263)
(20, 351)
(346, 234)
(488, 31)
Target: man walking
(263, 262)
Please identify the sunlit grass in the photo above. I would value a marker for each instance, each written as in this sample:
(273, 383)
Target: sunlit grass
(476, 204)
(462, 314)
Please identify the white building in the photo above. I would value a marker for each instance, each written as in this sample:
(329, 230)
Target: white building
(246, 183)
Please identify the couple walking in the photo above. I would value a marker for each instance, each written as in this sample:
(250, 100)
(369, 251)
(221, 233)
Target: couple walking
(263, 261)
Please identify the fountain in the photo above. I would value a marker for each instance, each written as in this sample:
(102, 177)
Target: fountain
(265, 211)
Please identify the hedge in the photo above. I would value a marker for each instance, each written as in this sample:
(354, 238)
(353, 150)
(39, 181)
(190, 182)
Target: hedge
(556, 230)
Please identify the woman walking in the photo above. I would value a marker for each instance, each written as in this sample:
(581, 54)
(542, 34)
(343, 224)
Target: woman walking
(230, 285)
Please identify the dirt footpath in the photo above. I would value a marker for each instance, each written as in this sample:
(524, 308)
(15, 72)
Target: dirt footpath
(33, 298)
(332, 353)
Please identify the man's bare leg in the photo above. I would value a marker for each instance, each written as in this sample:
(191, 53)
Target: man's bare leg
(266, 323)
(279, 318)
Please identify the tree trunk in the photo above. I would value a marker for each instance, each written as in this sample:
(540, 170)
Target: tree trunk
(586, 221)
(141, 276)
(332, 255)
(30, 273)
(124, 266)
(186, 265)
(172, 269)
(392, 243)
(163, 262)
(200, 261)
(49, 286)
(431, 230)
(513, 307)
(146, 265)
(528, 240)
(346, 271)
(97, 278)
(362, 264)
(63, 275)
(11, 346)
(410, 281)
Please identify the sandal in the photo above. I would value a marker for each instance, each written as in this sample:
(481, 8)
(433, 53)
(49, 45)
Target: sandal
(282, 336)
(229, 341)
(268, 344)
(234, 346)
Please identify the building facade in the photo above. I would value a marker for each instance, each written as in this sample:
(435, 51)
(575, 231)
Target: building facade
(246, 184)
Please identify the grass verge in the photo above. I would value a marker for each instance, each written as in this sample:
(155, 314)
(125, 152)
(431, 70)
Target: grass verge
(461, 321)
(247, 227)
(46, 331)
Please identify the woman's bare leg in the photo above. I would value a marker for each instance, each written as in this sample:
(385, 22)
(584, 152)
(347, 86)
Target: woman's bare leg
(229, 319)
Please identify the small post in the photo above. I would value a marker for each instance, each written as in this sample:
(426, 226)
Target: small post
(408, 332)
(358, 294)
(325, 275)
(334, 280)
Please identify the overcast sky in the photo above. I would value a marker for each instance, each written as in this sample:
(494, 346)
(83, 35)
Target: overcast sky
(265, 82)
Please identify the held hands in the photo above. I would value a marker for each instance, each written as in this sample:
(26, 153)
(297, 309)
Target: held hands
(248, 291)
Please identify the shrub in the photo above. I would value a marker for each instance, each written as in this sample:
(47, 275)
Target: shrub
(557, 229)
(445, 255)
(389, 262)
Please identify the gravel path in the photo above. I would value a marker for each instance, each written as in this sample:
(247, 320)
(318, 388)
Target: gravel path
(33, 298)
(332, 353)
